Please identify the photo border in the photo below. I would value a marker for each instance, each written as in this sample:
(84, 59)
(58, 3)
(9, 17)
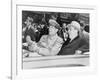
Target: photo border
(17, 32)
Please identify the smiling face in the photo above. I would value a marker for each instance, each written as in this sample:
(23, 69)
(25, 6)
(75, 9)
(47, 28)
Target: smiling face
(52, 30)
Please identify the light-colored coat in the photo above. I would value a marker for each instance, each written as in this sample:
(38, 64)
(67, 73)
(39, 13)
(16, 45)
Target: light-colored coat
(50, 45)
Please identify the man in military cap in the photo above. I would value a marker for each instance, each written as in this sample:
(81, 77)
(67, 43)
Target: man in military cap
(50, 44)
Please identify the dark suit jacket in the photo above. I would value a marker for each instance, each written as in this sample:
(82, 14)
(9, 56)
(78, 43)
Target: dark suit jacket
(31, 33)
(69, 48)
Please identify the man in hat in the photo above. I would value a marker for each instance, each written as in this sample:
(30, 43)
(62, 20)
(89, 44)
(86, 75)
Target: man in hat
(50, 44)
(77, 44)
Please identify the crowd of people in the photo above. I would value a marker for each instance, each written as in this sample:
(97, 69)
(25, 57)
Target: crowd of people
(53, 39)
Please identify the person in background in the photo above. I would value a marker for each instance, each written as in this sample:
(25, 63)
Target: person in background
(87, 28)
(84, 33)
(77, 44)
(36, 30)
(49, 45)
(29, 33)
(64, 31)
(43, 29)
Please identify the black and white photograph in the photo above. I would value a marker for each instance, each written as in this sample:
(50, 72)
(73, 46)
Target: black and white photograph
(52, 40)
(55, 39)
